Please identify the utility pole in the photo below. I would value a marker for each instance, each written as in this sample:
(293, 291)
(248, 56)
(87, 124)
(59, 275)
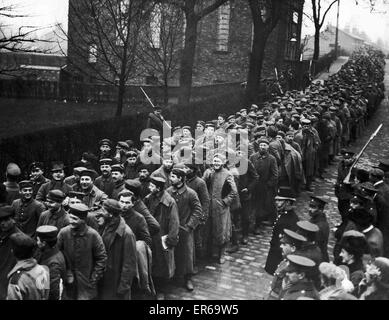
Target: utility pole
(337, 33)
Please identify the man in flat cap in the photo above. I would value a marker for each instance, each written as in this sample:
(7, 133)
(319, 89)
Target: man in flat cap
(223, 193)
(117, 172)
(93, 195)
(299, 277)
(309, 142)
(86, 261)
(37, 178)
(190, 214)
(57, 182)
(27, 210)
(165, 169)
(104, 182)
(286, 219)
(49, 255)
(266, 189)
(144, 172)
(131, 165)
(318, 217)
(199, 186)
(289, 242)
(120, 244)
(156, 120)
(7, 262)
(28, 280)
(135, 187)
(78, 167)
(12, 175)
(55, 215)
(164, 208)
(134, 219)
(122, 148)
(105, 148)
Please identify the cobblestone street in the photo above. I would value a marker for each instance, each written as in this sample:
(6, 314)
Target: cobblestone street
(242, 276)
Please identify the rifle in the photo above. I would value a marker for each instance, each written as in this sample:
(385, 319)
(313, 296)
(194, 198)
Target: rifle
(278, 81)
(347, 179)
(149, 100)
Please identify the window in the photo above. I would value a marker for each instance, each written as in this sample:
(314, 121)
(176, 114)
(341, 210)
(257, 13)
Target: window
(291, 38)
(155, 27)
(121, 28)
(223, 27)
(92, 53)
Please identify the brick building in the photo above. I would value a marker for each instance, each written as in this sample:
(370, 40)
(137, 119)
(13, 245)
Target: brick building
(224, 45)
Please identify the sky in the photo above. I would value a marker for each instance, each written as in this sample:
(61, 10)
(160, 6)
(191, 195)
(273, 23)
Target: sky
(376, 25)
(49, 12)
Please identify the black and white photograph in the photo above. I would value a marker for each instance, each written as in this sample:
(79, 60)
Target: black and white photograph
(204, 150)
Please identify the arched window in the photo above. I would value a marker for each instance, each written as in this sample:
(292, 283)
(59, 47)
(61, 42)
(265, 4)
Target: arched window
(155, 26)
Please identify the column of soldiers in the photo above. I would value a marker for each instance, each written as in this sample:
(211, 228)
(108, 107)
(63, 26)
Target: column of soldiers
(122, 228)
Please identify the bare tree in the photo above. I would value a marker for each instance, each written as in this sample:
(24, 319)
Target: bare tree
(20, 39)
(103, 38)
(194, 11)
(161, 48)
(266, 14)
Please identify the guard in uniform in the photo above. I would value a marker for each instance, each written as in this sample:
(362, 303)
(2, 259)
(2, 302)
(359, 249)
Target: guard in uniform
(343, 191)
(298, 278)
(286, 219)
(318, 217)
(290, 242)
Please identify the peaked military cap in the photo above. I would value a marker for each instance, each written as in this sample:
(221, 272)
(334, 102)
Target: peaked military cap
(377, 173)
(134, 186)
(25, 184)
(77, 195)
(89, 173)
(47, 233)
(57, 166)
(117, 167)
(158, 181)
(79, 209)
(6, 212)
(36, 165)
(112, 206)
(106, 142)
(307, 226)
(318, 201)
(292, 237)
(56, 195)
(299, 263)
(105, 161)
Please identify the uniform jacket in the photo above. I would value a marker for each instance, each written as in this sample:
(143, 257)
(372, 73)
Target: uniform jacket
(7, 260)
(152, 223)
(28, 281)
(138, 225)
(26, 215)
(119, 187)
(198, 185)
(52, 185)
(246, 181)
(304, 288)
(320, 220)
(58, 219)
(309, 143)
(293, 167)
(190, 215)
(222, 192)
(55, 261)
(164, 210)
(86, 259)
(121, 267)
(105, 184)
(375, 240)
(286, 219)
(94, 196)
(36, 184)
(161, 172)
